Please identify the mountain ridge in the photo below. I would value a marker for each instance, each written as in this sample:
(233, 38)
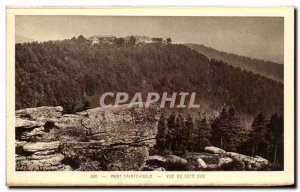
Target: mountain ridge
(268, 69)
(22, 39)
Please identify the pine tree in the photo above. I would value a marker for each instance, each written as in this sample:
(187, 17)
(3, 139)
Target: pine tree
(276, 127)
(193, 142)
(218, 125)
(132, 40)
(235, 133)
(171, 133)
(187, 133)
(180, 131)
(227, 130)
(258, 134)
(189, 127)
(203, 132)
(161, 136)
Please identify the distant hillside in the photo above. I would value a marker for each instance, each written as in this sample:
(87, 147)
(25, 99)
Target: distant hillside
(74, 73)
(266, 68)
(22, 39)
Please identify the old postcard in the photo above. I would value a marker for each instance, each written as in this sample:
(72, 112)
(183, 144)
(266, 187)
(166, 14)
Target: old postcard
(150, 96)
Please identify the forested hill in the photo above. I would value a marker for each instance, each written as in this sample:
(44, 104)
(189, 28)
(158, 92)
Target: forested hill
(74, 73)
(266, 68)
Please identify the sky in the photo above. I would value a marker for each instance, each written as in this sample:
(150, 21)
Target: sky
(256, 37)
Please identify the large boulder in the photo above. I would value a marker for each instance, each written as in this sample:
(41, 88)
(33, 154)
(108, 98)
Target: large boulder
(229, 164)
(261, 163)
(224, 161)
(240, 157)
(156, 158)
(176, 163)
(214, 150)
(173, 159)
(261, 160)
(156, 161)
(201, 164)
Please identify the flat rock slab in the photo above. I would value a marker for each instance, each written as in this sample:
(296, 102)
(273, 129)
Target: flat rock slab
(40, 146)
(25, 123)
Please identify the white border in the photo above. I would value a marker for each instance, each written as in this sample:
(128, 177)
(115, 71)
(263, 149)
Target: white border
(212, 178)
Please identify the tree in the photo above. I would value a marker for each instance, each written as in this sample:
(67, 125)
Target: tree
(276, 127)
(180, 131)
(169, 40)
(81, 38)
(132, 40)
(258, 133)
(187, 132)
(119, 41)
(235, 133)
(203, 132)
(171, 133)
(227, 130)
(162, 130)
(218, 125)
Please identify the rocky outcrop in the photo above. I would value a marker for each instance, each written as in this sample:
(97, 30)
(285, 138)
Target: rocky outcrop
(95, 139)
(117, 139)
(251, 163)
(40, 156)
(207, 161)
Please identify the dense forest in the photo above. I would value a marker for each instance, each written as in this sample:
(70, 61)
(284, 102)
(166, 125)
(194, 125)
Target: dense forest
(74, 73)
(266, 68)
(178, 134)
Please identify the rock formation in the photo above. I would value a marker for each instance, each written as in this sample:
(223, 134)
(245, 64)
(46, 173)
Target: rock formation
(215, 160)
(95, 139)
(115, 139)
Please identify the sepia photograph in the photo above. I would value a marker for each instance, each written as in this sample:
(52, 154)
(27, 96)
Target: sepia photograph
(151, 94)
